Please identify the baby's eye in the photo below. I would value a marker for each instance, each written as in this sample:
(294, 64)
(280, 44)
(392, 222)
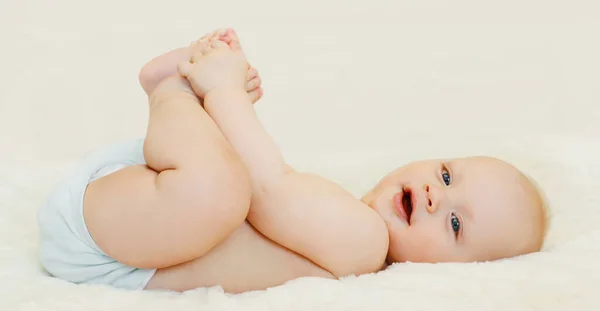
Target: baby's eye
(455, 222)
(446, 176)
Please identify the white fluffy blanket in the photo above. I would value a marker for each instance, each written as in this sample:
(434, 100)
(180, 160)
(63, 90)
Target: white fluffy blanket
(353, 89)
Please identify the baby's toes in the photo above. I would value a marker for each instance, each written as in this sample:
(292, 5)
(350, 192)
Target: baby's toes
(218, 44)
(228, 35)
(231, 33)
(208, 35)
(214, 34)
(235, 45)
(219, 33)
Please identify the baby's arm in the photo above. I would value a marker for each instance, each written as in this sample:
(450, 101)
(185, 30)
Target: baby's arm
(302, 212)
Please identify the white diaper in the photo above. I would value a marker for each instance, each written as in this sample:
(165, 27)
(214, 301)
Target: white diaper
(67, 250)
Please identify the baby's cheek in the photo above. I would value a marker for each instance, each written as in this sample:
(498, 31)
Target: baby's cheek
(417, 246)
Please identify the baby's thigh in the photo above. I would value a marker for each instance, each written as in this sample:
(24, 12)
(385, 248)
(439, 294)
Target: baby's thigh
(67, 250)
(114, 222)
(149, 220)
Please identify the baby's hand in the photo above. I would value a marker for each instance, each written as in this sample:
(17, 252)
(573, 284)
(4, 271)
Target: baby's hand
(218, 65)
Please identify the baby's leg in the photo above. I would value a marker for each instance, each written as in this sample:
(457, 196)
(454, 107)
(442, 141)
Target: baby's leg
(163, 66)
(192, 194)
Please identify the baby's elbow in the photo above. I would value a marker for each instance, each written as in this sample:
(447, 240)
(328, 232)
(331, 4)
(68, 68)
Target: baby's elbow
(375, 251)
(368, 254)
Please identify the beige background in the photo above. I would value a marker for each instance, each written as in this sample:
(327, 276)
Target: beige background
(352, 89)
(339, 76)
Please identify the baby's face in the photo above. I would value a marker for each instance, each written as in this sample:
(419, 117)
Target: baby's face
(460, 210)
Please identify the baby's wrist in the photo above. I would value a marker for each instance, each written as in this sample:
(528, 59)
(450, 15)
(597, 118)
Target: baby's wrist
(224, 91)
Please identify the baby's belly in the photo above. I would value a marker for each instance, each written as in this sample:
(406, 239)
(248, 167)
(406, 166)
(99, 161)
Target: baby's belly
(245, 261)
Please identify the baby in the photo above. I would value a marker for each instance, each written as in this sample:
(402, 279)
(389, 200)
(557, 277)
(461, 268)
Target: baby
(207, 199)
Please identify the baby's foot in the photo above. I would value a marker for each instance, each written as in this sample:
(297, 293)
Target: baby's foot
(230, 37)
(253, 82)
(161, 67)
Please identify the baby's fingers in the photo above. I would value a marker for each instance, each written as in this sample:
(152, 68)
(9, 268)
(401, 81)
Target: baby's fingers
(198, 55)
(253, 84)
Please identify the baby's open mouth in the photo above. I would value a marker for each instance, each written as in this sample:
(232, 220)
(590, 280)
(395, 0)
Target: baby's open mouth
(407, 203)
(404, 204)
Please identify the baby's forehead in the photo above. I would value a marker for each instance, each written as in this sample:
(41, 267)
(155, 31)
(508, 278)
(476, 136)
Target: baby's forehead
(497, 187)
(482, 160)
(486, 167)
(492, 184)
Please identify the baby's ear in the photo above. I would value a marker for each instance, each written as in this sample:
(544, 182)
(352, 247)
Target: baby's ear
(226, 38)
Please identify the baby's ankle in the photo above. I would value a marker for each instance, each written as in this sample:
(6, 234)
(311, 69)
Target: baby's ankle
(160, 68)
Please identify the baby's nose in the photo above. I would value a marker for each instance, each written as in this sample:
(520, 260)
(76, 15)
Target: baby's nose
(432, 196)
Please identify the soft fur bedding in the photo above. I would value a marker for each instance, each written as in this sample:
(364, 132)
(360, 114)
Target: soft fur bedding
(564, 276)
